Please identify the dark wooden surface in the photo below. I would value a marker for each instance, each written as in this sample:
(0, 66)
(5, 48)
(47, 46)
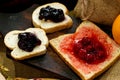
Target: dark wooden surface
(49, 63)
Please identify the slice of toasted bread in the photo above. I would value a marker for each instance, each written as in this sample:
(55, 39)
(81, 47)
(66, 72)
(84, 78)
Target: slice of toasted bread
(11, 41)
(50, 26)
(86, 70)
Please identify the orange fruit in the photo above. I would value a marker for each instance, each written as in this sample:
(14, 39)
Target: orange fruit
(116, 29)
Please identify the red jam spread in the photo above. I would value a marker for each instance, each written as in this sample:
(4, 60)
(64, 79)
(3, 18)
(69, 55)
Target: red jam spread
(90, 50)
(87, 48)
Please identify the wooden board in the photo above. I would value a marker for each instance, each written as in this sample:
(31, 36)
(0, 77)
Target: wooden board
(51, 61)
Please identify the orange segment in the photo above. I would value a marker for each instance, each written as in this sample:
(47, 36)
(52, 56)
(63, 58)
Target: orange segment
(116, 29)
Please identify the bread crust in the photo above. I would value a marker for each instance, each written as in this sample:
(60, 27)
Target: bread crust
(103, 66)
(50, 26)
